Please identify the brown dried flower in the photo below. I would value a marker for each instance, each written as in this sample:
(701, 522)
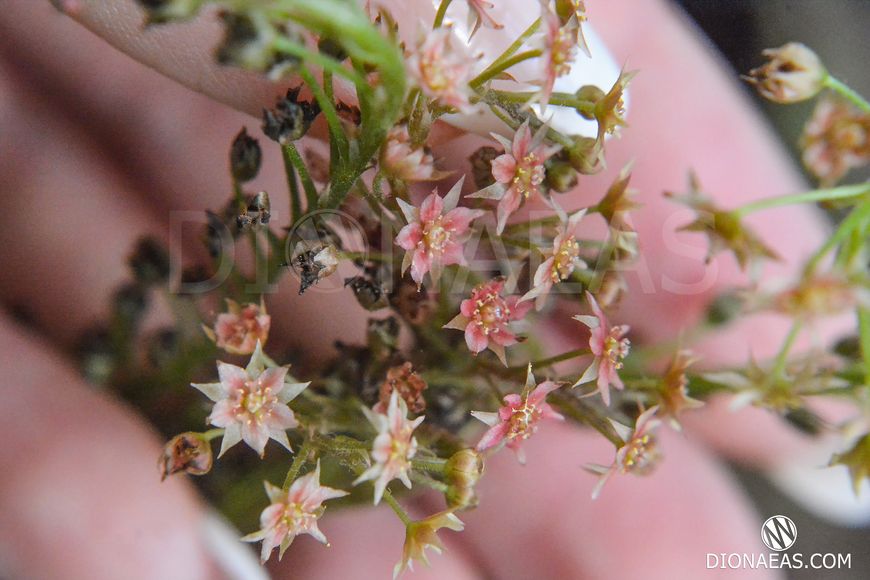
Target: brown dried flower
(408, 384)
(793, 73)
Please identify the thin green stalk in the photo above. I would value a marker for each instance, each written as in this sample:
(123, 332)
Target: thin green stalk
(782, 356)
(337, 138)
(292, 185)
(494, 71)
(816, 195)
(212, 434)
(442, 10)
(298, 462)
(855, 219)
(847, 92)
(287, 46)
(864, 333)
(549, 361)
(515, 46)
(430, 465)
(400, 511)
(304, 176)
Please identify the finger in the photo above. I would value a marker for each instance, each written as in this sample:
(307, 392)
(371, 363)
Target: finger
(80, 495)
(545, 525)
(366, 544)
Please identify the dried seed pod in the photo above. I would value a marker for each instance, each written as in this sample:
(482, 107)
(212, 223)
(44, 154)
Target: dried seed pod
(481, 166)
(369, 293)
(149, 261)
(793, 73)
(408, 384)
(314, 265)
(248, 43)
(245, 157)
(256, 214)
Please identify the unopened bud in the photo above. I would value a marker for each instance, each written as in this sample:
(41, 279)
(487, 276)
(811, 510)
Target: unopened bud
(793, 73)
(586, 155)
(462, 472)
(561, 177)
(245, 157)
(592, 95)
(188, 452)
(857, 460)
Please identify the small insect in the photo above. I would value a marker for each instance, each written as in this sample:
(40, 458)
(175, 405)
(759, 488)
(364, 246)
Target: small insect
(257, 212)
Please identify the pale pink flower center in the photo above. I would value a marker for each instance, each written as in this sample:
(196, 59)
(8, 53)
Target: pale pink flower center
(615, 347)
(243, 326)
(641, 454)
(491, 313)
(565, 259)
(253, 401)
(435, 235)
(295, 519)
(523, 421)
(436, 76)
(529, 174)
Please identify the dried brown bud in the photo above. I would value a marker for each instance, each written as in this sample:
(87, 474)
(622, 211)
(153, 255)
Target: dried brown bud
(481, 166)
(408, 384)
(188, 452)
(412, 304)
(149, 262)
(794, 73)
(314, 265)
(257, 213)
(369, 293)
(835, 140)
(159, 11)
(290, 119)
(245, 157)
(248, 44)
(822, 296)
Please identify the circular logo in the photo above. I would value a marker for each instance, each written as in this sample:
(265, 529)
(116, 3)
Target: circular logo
(779, 533)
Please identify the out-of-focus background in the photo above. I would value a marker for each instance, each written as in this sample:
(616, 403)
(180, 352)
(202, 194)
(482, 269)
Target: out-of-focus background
(839, 31)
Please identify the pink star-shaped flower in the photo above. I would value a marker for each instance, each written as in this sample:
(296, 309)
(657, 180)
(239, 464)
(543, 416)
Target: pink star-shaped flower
(442, 68)
(393, 448)
(485, 318)
(292, 512)
(639, 454)
(400, 159)
(560, 42)
(609, 345)
(518, 418)
(519, 172)
(435, 233)
(239, 328)
(561, 261)
(251, 403)
(478, 15)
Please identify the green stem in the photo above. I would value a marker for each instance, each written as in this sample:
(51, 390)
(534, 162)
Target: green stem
(545, 362)
(557, 99)
(287, 46)
(816, 195)
(293, 186)
(495, 70)
(400, 511)
(307, 184)
(782, 356)
(855, 219)
(515, 46)
(211, 434)
(430, 465)
(847, 93)
(864, 333)
(298, 462)
(442, 10)
(337, 138)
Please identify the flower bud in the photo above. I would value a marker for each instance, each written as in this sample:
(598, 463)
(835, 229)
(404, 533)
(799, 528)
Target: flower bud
(423, 534)
(245, 157)
(149, 262)
(592, 95)
(586, 155)
(462, 472)
(290, 119)
(188, 452)
(159, 11)
(561, 177)
(794, 73)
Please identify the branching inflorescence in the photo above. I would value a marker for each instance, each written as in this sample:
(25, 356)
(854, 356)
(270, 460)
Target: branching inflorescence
(443, 254)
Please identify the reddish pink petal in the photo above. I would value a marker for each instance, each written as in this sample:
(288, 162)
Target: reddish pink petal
(280, 417)
(521, 141)
(507, 206)
(452, 254)
(493, 436)
(476, 340)
(540, 393)
(504, 167)
(431, 208)
(467, 307)
(409, 236)
(273, 379)
(255, 434)
(222, 414)
(420, 264)
(504, 337)
(603, 384)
